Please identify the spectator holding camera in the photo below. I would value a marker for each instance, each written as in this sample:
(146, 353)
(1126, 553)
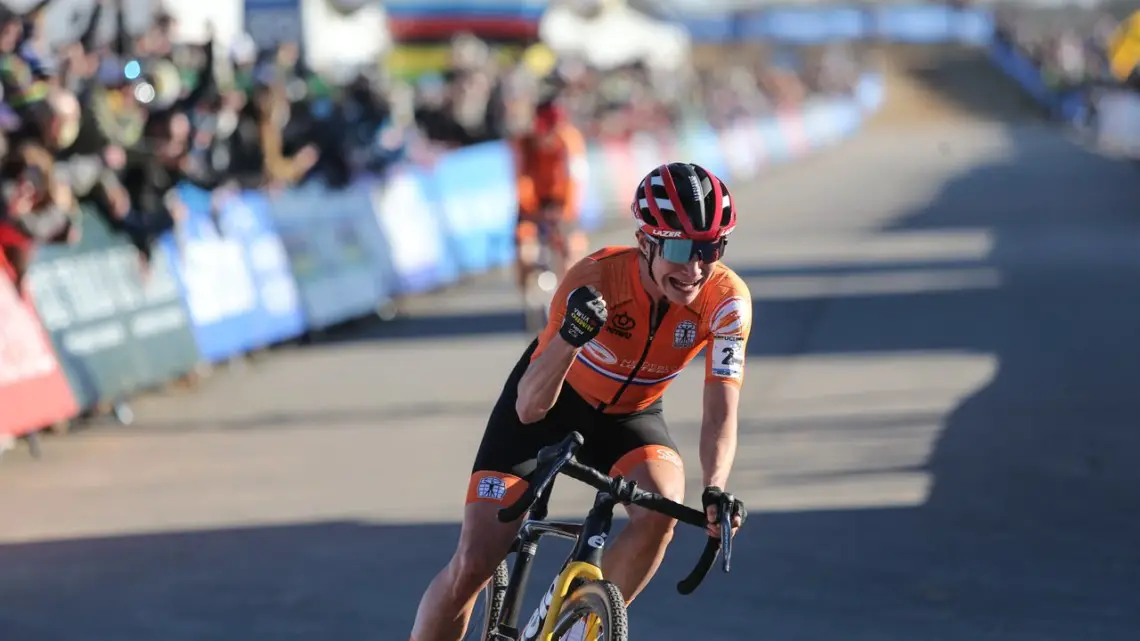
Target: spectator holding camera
(37, 207)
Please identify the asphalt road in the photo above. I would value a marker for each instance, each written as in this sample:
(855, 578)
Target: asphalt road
(938, 434)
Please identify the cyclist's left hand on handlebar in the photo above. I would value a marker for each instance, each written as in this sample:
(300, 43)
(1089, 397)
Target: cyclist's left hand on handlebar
(711, 499)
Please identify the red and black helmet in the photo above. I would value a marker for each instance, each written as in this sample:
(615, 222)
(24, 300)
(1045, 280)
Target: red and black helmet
(548, 115)
(683, 200)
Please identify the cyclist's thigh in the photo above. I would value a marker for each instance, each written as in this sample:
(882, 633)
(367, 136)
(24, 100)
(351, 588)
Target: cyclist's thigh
(639, 447)
(483, 540)
(509, 448)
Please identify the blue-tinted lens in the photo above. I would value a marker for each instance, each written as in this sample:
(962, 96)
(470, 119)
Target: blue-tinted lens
(682, 250)
(676, 250)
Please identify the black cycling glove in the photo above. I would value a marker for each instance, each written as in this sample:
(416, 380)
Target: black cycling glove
(713, 496)
(585, 315)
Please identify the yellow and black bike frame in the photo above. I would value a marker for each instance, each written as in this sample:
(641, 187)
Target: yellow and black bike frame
(582, 565)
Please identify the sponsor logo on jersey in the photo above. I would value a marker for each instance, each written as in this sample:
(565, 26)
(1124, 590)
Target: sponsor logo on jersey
(620, 325)
(600, 353)
(647, 367)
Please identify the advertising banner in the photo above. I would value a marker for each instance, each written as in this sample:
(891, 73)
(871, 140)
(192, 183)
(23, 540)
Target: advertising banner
(116, 326)
(215, 280)
(33, 390)
(334, 267)
(804, 25)
(477, 198)
(408, 220)
(280, 316)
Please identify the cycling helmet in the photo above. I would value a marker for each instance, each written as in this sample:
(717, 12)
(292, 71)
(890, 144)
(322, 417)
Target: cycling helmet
(683, 200)
(548, 115)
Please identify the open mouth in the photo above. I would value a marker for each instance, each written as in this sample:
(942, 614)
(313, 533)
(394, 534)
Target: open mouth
(683, 285)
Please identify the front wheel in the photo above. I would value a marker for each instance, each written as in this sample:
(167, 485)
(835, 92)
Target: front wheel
(489, 605)
(597, 604)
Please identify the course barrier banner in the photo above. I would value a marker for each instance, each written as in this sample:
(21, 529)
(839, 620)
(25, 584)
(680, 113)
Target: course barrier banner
(1071, 106)
(214, 278)
(477, 196)
(408, 220)
(234, 274)
(116, 327)
(280, 316)
(916, 23)
(804, 25)
(33, 390)
(339, 269)
(810, 25)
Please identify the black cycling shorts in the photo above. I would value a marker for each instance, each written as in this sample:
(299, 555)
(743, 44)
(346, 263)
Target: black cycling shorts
(614, 443)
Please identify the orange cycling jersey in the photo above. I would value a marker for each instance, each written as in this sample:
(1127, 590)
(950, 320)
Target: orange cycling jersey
(546, 170)
(645, 343)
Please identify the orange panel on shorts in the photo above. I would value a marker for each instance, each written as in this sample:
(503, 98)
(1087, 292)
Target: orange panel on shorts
(645, 453)
(495, 487)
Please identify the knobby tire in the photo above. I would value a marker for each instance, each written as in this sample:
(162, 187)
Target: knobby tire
(494, 596)
(602, 599)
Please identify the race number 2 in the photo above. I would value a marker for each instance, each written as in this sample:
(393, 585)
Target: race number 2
(727, 356)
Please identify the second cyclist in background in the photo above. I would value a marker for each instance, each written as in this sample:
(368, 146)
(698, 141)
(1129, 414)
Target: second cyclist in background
(549, 160)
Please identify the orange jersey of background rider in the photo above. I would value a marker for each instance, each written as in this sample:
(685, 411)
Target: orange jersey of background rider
(639, 351)
(548, 170)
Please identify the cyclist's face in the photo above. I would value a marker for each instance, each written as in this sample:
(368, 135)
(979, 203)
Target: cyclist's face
(680, 283)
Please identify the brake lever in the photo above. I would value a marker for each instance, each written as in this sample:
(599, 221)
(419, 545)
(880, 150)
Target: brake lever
(724, 510)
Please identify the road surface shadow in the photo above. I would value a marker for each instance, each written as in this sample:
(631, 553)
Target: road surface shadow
(510, 321)
(952, 76)
(379, 418)
(1025, 534)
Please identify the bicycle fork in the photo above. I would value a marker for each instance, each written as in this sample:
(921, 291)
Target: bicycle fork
(575, 572)
(583, 564)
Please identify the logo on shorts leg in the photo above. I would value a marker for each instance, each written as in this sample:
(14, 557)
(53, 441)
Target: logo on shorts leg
(492, 487)
(666, 454)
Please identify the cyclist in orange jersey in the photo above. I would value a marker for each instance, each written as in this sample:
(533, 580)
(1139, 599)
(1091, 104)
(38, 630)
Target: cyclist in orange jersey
(624, 323)
(548, 162)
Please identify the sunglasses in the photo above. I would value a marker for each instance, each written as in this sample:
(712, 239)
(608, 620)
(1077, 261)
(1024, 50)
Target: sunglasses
(683, 250)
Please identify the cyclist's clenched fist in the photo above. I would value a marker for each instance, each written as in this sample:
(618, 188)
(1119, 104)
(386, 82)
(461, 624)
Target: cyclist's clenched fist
(586, 314)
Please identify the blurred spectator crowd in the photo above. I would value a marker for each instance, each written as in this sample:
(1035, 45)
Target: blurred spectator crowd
(487, 97)
(118, 123)
(1069, 43)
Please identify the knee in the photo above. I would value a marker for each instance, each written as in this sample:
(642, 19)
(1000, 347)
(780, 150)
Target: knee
(470, 568)
(653, 526)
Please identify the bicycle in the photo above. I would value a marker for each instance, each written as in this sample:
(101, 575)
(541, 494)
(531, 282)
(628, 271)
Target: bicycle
(541, 280)
(580, 590)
